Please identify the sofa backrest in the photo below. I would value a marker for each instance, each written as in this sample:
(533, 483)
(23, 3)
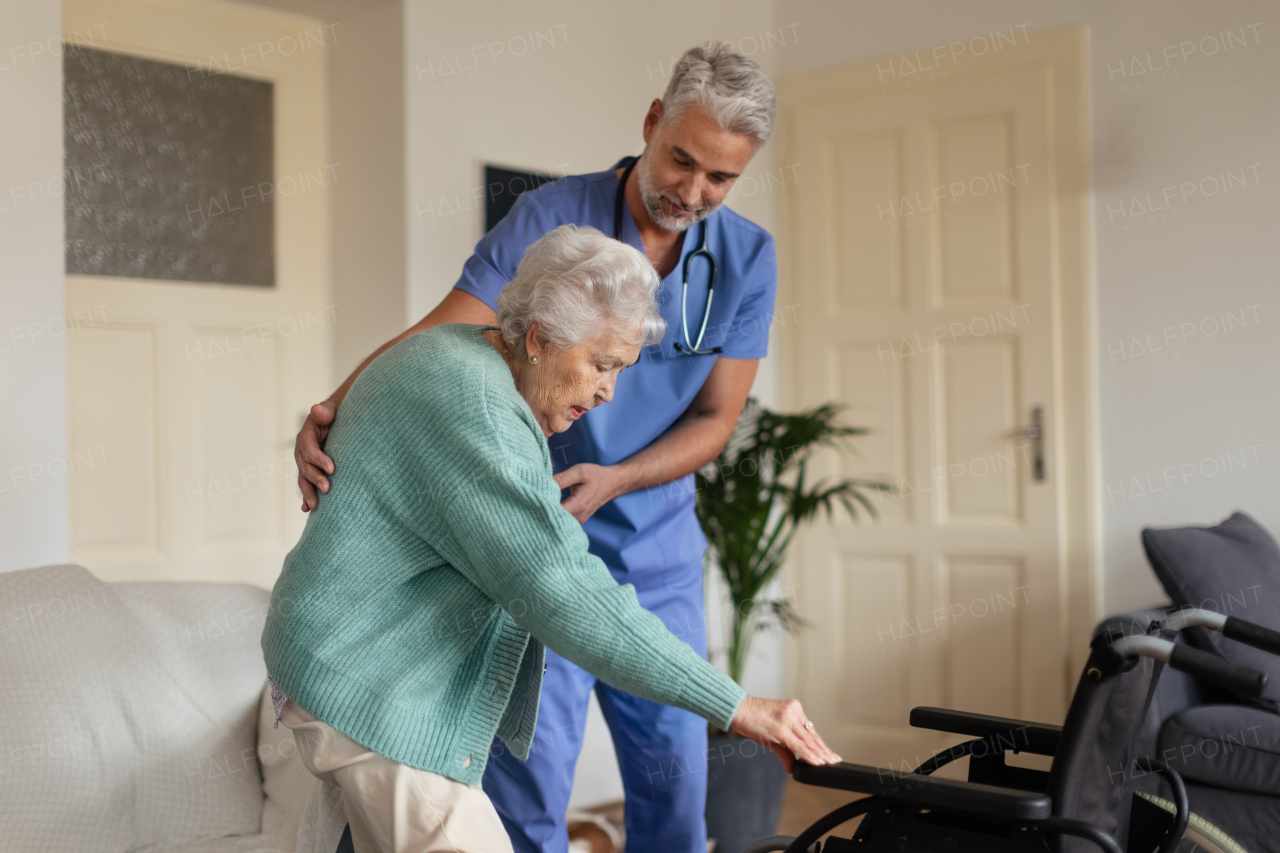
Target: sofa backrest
(1232, 568)
(128, 711)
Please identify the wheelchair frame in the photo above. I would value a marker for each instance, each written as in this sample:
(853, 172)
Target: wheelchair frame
(1006, 808)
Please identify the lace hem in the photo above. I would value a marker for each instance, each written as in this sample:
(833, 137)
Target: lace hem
(277, 700)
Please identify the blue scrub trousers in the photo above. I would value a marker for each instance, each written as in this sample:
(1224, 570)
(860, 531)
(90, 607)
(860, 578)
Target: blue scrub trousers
(661, 750)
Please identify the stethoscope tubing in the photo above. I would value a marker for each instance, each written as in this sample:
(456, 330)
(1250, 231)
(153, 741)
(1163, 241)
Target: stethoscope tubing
(696, 347)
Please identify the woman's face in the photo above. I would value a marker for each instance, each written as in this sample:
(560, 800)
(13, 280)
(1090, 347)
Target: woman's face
(564, 384)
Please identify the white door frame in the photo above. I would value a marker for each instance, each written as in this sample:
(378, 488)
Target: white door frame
(1075, 454)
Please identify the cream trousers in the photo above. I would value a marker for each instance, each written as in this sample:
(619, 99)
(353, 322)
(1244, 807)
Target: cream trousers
(392, 807)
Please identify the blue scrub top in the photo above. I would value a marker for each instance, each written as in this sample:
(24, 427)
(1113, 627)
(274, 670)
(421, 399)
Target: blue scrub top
(648, 537)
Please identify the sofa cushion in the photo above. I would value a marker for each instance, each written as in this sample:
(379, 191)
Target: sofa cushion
(1227, 746)
(130, 711)
(1234, 569)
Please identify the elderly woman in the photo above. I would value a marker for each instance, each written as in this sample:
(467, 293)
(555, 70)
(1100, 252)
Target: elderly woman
(408, 626)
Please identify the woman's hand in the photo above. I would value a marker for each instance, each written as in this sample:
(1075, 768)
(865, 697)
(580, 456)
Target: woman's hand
(780, 725)
(312, 462)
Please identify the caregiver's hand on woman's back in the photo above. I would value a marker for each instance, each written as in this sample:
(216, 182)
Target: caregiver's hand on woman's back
(781, 725)
(590, 487)
(308, 449)
(312, 462)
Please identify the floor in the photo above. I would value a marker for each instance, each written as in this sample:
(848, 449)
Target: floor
(803, 804)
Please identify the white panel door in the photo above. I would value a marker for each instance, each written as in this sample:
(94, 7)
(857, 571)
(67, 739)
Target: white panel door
(184, 397)
(922, 250)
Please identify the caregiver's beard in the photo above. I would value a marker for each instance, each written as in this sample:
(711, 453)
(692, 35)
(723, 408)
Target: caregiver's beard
(652, 199)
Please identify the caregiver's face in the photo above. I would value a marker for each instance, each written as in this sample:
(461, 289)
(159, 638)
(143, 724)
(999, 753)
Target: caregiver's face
(688, 166)
(565, 384)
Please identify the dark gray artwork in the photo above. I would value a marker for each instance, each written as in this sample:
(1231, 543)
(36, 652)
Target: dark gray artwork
(169, 171)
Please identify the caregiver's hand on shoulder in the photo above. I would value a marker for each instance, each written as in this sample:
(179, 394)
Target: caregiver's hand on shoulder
(590, 487)
(312, 463)
(780, 724)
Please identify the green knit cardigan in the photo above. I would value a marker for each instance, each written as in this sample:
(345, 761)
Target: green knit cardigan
(403, 616)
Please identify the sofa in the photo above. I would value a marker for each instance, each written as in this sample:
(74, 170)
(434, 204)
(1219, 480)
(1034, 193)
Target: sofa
(1225, 746)
(133, 717)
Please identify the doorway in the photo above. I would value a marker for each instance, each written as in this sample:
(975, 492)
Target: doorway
(936, 253)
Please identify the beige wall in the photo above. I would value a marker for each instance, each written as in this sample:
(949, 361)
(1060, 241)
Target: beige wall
(33, 374)
(1203, 112)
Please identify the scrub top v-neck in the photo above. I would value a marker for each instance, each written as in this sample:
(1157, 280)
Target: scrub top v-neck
(647, 535)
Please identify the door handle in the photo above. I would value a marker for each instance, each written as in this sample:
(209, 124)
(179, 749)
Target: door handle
(1035, 432)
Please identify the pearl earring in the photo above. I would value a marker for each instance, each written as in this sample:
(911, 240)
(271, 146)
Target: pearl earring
(533, 359)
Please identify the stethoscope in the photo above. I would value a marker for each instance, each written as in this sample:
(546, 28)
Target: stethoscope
(689, 349)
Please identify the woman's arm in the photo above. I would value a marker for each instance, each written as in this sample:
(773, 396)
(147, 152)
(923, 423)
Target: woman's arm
(530, 556)
(512, 539)
(484, 499)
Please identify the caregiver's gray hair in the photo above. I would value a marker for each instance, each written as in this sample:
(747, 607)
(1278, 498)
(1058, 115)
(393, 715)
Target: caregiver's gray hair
(576, 284)
(733, 90)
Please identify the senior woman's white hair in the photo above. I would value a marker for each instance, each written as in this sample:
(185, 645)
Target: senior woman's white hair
(576, 284)
(733, 89)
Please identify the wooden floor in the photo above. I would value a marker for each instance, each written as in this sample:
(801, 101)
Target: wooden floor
(802, 805)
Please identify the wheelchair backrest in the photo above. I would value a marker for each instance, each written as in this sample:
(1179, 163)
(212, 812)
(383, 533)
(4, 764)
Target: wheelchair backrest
(1094, 773)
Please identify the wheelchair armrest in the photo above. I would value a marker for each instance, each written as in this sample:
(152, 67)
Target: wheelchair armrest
(927, 791)
(1007, 733)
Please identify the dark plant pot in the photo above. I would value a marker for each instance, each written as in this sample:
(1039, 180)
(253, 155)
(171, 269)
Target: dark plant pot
(745, 784)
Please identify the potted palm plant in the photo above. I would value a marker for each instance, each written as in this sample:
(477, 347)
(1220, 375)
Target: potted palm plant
(751, 502)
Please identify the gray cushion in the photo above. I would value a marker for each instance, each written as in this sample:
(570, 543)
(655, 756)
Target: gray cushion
(128, 712)
(1234, 747)
(1233, 568)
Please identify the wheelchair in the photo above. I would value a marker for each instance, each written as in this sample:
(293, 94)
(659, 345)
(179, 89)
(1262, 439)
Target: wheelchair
(1098, 794)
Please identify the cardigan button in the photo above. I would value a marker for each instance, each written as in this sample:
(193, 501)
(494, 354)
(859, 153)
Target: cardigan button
(544, 669)
(466, 762)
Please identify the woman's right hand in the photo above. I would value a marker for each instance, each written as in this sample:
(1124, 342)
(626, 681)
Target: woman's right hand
(780, 725)
(312, 462)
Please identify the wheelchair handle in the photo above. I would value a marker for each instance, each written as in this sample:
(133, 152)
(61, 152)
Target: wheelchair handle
(1193, 661)
(1231, 627)
(1216, 670)
(1252, 634)
(1189, 617)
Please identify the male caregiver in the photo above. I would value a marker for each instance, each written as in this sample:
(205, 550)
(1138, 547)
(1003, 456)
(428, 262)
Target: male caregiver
(629, 466)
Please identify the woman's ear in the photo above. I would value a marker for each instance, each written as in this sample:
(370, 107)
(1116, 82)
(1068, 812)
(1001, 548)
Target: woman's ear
(533, 343)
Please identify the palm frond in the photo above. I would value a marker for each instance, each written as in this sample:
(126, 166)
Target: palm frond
(754, 497)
